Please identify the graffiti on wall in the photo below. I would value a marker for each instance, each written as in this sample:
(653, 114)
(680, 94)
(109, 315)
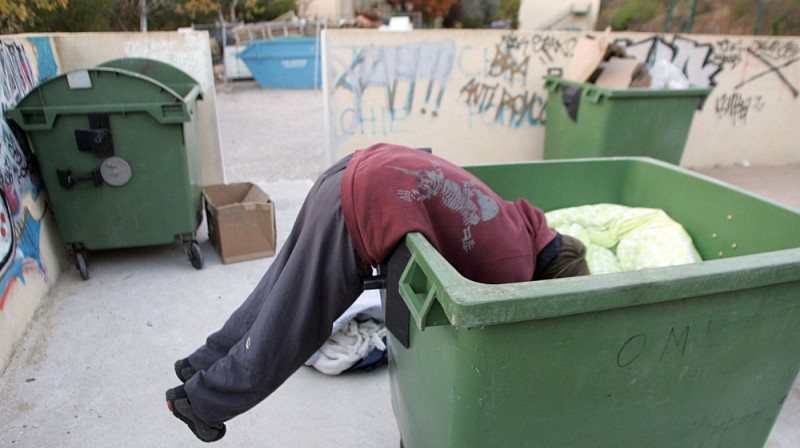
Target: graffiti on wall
(696, 60)
(760, 60)
(411, 78)
(499, 94)
(496, 82)
(737, 107)
(19, 182)
(772, 58)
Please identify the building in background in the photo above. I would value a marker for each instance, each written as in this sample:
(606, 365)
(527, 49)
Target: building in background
(558, 15)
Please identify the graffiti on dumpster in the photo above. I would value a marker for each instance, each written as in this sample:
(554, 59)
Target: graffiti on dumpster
(667, 344)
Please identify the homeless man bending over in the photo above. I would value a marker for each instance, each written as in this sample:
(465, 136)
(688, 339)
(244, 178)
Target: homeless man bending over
(355, 215)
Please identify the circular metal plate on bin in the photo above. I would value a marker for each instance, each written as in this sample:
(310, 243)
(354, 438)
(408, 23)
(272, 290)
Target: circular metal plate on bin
(115, 171)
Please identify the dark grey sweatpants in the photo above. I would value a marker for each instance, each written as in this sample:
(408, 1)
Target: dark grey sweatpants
(315, 277)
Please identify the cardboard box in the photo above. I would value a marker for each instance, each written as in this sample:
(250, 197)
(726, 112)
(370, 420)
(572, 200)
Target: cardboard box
(622, 73)
(241, 221)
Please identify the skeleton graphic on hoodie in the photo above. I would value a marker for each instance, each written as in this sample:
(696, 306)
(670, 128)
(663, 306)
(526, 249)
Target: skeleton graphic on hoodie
(464, 198)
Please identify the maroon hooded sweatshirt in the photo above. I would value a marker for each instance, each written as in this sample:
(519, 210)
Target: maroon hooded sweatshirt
(389, 191)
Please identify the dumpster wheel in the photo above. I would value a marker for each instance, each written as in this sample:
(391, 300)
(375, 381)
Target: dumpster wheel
(80, 262)
(195, 254)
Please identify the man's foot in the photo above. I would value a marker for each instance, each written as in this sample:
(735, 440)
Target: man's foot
(184, 370)
(178, 404)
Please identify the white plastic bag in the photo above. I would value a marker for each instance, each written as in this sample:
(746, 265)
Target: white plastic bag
(665, 75)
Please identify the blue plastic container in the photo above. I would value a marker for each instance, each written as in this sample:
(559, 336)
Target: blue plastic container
(284, 63)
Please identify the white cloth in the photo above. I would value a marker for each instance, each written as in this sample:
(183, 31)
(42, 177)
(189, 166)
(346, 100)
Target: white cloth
(349, 345)
(366, 307)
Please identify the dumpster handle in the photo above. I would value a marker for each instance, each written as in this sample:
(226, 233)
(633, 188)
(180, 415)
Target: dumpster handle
(68, 180)
(419, 300)
(593, 94)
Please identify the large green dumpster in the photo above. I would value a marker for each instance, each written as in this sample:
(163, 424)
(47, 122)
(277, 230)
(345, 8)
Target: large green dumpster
(602, 122)
(695, 355)
(117, 148)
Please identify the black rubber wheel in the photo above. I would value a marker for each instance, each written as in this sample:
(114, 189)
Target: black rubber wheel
(195, 254)
(81, 264)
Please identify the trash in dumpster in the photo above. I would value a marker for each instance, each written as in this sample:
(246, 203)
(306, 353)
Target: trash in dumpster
(619, 238)
(667, 76)
(596, 61)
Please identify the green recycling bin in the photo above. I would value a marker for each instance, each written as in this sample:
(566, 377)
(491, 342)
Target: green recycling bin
(694, 355)
(584, 120)
(118, 151)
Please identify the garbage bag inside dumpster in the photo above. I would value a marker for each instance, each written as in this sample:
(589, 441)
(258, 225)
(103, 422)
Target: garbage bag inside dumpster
(702, 354)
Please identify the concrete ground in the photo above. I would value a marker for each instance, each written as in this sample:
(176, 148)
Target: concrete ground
(94, 366)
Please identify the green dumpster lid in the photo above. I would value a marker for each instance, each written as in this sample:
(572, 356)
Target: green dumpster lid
(106, 89)
(165, 73)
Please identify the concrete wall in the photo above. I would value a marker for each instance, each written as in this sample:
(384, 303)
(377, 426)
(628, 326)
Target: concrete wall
(558, 14)
(478, 96)
(32, 255)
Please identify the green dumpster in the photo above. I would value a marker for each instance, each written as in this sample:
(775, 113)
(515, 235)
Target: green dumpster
(118, 151)
(694, 355)
(584, 120)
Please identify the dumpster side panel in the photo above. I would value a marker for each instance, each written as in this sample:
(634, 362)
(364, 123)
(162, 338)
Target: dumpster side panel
(156, 204)
(689, 356)
(709, 371)
(554, 185)
(619, 122)
(657, 128)
(723, 221)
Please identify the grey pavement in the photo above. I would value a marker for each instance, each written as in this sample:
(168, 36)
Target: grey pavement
(94, 365)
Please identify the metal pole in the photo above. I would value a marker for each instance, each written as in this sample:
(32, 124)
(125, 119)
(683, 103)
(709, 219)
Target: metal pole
(316, 56)
(670, 12)
(224, 50)
(143, 15)
(761, 8)
(690, 22)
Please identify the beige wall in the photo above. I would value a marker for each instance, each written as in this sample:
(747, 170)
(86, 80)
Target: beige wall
(478, 96)
(555, 14)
